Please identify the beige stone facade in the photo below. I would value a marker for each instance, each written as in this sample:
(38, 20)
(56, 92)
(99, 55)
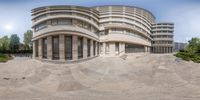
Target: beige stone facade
(71, 33)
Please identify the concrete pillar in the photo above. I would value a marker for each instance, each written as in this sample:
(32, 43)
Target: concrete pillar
(74, 47)
(121, 48)
(112, 49)
(62, 47)
(84, 47)
(91, 48)
(34, 51)
(103, 48)
(49, 47)
(145, 49)
(40, 48)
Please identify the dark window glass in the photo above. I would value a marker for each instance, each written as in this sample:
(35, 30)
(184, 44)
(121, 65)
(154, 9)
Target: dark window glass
(36, 48)
(68, 47)
(88, 47)
(94, 48)
(117, 47)
(55, 47)
(44, 48)
(80, 47)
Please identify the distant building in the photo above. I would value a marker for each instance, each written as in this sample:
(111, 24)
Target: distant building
(179, 46)
(74, 32)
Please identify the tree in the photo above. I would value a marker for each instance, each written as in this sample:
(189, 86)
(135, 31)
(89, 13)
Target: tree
(14, 43)
(27, 39)
(194, 46)
(4, 43)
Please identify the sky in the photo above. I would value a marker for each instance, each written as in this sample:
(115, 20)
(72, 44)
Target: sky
(15, 15)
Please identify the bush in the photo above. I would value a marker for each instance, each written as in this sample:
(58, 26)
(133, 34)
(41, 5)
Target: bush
(5, 58)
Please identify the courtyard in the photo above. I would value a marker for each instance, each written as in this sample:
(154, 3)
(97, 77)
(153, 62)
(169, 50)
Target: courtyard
(135, 77)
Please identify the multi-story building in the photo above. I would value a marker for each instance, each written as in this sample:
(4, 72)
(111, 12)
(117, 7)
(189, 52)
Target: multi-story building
(162, 34)
(74, 32)
(179, 46)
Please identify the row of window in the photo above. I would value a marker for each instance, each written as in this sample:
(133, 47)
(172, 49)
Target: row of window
(68, 47)
(167, 31)
(162, 42)
(64, 21)
(66, 13)
(163, 36)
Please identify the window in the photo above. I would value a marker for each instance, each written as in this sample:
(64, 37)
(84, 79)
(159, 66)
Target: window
(88, 47)
(117, 47)
(44, 48)
(55, 47)
(64, 21)
(40, 26)
(36, 48)
(68, 47)
(80, 47)
(94, 48)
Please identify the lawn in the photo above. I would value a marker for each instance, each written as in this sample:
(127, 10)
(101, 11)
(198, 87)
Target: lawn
(5, 58)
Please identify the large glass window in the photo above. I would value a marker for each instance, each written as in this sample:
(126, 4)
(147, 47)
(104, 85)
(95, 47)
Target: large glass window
(88, 47)
(117, 47)
(61, 21)
(40, 26)
(55, 47)
(36, 48)
(68, 47)
(94, 48)
(80, 47)
(44, 48)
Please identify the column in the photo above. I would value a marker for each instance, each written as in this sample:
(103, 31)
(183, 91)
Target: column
(62, 47)
(103, 48)
(40, 48)
(34, 51)
(49, 47)
(112, 49)
(91, 48)
(122, 48)
(145, 49)
(96, 54)
(74, 47)
(84, 47)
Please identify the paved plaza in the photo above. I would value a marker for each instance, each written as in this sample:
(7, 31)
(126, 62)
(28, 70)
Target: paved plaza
(135, 77)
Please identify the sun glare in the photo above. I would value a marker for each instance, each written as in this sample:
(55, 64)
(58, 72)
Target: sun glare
(8, 27)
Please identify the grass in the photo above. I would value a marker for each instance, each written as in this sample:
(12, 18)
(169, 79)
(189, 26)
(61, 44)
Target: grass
(5, 58)
(188, 57)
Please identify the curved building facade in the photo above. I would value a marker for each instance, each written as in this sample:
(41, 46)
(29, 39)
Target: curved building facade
(74, 32)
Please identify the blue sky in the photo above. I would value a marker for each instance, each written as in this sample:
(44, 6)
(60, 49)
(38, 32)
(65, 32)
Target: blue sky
(15, 15)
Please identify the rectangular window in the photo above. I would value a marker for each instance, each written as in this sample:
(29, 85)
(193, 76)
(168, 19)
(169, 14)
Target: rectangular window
(68, 47)
(117, 47)
(44, 48)
(55, 47)
(94, 48)
(64, 21)
(88, 47)
(54, 22)
(36, 48)
(80, 47)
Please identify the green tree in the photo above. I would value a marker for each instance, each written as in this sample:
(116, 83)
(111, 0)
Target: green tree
(27, 39)
(14, 42)
(4, 43)
(194, 46)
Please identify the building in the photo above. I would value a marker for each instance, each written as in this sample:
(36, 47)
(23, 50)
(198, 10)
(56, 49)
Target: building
(70, 33)
(179, 46)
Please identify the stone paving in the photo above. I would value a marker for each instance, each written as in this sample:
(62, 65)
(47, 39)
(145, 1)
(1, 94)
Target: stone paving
(138, 77)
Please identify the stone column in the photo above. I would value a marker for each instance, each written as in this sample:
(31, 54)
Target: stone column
(121, 48)
(74, 47)
(34, 51)
(145, 49)
(91, 48)
(49, 47)
(62, 47)
(40, 48)
(112, 49)
(96, 54)
(103, 48)
(84, 47)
